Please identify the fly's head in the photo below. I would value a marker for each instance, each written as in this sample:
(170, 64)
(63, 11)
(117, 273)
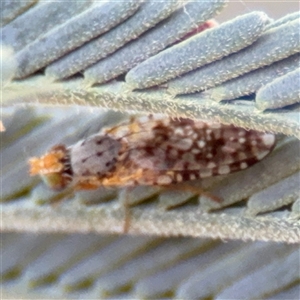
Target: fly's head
(54, 167)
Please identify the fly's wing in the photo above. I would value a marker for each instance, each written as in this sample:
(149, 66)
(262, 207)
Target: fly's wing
(173, 150)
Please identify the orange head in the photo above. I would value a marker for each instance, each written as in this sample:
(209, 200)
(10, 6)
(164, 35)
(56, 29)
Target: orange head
(54, 167)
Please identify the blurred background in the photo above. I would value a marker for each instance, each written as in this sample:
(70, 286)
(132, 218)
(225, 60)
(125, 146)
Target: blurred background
(274, 9)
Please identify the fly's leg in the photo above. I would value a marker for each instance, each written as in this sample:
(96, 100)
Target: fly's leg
(197, 190)
(125, 198)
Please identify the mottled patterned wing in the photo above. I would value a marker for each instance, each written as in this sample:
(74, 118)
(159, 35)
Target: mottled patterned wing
(166, 151)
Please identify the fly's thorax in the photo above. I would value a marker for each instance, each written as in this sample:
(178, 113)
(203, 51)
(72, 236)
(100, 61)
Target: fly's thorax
(94, 156)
